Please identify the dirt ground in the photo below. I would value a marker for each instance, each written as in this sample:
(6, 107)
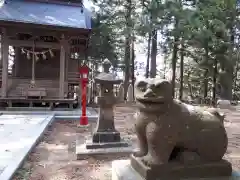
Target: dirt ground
(54, 157)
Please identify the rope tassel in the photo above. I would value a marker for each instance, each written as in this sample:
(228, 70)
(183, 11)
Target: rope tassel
(43, 53)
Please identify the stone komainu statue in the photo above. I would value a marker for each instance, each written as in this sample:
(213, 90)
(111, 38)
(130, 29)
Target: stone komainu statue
(169, 130)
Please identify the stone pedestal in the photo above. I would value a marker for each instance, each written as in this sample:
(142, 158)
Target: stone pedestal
(109, 143)
(175, 169)
(105, 137)
(89, 149)
(122, 170)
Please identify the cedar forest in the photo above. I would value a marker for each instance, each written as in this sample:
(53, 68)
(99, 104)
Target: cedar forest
(200, 38)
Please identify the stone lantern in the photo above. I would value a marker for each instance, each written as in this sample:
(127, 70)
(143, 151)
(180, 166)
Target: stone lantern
(105, 139)
(105, 134)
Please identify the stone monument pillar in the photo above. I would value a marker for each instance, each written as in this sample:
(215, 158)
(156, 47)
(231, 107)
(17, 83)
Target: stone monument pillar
(130, 96)
(105, 135)
(121, 93)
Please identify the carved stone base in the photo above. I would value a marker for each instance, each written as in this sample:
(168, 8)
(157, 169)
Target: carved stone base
(106, 145)
(105, 137)
(89, 149)
(122, 170)
(176, 170)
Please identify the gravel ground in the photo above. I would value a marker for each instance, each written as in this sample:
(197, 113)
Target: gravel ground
(54, 157)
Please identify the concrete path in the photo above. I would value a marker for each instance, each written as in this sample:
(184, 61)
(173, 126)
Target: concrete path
(20, 131)
(18, 135)
(61, 114)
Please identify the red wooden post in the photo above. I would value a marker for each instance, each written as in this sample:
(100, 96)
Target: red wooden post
(84, 70)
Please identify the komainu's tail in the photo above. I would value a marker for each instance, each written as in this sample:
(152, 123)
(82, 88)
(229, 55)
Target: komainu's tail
(215, 112)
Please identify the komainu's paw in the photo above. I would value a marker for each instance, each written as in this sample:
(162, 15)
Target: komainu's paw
(150, 161)
(139, 153)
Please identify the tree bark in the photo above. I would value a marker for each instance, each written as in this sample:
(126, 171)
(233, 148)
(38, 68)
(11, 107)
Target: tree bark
(174, 64)
(215, 70)
(148, 55)
(165, 66)
(230, 66)
(205, 85)
(132, 67)
(206, 58)
(153, 70)
(181, 71)
(127, 50)
(235, 75)
(189, 84)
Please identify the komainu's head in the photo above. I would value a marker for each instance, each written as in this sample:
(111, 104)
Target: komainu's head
(153, 93)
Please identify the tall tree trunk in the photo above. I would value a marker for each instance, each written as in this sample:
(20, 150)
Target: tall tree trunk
(189, 84)
(235, 75)
(205, 85)
(94, 89)
(226, 75)
(91, 83)
(127, 50)
(231, 65)
(232, 6)
(181, 71)
(174, 57)
(206, 58)
(153, 70)
(132, 67)
(127, 66)
(174, 63)
(164, 66)
(148, 55)
(214, 88)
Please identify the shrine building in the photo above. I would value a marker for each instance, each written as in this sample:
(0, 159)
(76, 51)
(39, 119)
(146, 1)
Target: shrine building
(43, 43)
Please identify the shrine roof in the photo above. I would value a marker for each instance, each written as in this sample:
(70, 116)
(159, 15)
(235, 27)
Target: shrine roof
(41, 13)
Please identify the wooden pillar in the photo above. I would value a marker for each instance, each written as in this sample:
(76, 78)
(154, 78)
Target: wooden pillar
(62, 67)
(5, 51)
(68, 54)
(16, 64)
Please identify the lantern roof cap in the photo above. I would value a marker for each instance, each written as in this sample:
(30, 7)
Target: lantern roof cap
(106, 76)
(109, 78)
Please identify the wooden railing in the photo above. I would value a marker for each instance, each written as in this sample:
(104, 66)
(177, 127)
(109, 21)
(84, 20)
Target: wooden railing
(21, 85)
(73, 77)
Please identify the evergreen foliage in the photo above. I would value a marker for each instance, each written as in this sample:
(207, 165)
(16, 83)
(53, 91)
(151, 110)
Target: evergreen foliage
(198, 38)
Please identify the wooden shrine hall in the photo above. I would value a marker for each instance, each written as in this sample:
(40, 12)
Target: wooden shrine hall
(42, 44)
